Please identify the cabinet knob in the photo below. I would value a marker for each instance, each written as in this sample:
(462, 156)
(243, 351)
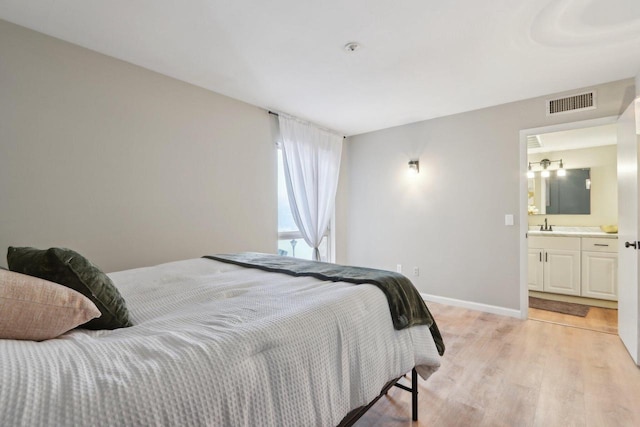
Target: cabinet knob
(629, 244)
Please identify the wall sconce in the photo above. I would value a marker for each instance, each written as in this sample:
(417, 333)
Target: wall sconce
(414, 167)
(545, 163)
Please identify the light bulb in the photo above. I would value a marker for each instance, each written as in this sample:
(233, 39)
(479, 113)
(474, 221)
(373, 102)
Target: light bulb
(561, 171)
(531, 174)
(545, 173)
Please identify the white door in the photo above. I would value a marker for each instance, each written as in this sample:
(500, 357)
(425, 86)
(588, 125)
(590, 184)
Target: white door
(628, 230)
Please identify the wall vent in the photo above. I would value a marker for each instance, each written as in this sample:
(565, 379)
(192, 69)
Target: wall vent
(573, 103)
(533, 141)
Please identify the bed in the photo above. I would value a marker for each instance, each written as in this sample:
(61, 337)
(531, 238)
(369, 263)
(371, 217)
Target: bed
(215, 343)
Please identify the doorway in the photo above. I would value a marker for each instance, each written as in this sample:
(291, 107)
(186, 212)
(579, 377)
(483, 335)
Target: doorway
(570, 222)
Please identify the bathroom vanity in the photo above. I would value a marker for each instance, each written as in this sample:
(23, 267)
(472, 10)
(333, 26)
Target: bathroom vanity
(578, 261)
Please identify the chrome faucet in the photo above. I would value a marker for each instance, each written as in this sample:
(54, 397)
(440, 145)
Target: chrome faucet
(546, 227)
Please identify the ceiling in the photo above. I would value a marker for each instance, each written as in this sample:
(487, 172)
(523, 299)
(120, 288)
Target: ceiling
(595, 136)
(419, 59)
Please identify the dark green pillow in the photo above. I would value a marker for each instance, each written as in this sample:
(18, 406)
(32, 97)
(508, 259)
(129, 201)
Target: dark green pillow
(74, 271)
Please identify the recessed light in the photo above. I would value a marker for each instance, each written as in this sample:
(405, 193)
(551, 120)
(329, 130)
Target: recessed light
(351, 46)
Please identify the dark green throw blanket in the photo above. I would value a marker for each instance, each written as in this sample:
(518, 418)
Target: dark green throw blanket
(405, 303)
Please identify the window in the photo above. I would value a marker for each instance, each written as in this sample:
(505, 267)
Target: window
(290, 241)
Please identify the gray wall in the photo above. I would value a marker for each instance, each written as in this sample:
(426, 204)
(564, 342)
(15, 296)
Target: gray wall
(127, 166)
(449, 219)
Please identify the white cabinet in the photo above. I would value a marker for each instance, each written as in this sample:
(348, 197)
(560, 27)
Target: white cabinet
(600, 268)
(557, 261)
(581, 266)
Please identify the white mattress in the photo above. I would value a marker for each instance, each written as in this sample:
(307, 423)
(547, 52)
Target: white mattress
(216, 344)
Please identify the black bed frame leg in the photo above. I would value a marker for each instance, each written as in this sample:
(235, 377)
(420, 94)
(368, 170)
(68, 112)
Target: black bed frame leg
(414, 394)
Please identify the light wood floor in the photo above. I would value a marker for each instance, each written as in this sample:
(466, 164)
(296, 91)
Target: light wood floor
(502, 371)
(598, 319)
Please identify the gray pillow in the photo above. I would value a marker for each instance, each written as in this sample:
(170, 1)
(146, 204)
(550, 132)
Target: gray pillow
(71, 269)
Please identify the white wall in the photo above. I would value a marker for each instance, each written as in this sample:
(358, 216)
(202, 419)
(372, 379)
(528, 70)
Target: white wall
(449, 221)
(604, 185)
(127, 166)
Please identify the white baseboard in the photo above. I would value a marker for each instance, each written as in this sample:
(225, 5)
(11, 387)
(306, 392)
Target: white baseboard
(502, 311)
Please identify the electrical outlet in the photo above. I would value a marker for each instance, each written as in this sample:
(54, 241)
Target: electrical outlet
(416, 271)
(399, 268)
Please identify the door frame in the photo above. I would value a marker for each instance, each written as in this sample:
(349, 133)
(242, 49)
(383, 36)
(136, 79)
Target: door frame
(523, 216)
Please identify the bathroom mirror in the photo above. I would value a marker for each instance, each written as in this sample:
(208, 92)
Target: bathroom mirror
(561, 195)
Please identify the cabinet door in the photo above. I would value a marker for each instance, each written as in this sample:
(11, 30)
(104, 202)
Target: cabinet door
(600, 275)
(562, 271)
(535, 269)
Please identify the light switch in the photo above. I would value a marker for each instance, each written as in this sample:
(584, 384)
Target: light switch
(508, 219)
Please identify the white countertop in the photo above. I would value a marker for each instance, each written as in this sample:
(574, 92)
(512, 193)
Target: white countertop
(560, 231)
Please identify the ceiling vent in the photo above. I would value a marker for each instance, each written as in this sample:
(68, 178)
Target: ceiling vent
(573, 103)
(533, 141)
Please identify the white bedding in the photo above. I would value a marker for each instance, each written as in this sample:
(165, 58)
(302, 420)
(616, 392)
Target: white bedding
(216, 344)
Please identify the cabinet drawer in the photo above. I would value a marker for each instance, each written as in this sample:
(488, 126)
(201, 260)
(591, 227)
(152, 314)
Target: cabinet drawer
(563, 243)
(599, 245)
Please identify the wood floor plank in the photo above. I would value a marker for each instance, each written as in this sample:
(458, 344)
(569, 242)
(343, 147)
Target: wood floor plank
(598, 319)
(501, 371)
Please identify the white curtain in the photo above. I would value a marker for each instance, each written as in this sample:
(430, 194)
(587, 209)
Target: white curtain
(311, 165)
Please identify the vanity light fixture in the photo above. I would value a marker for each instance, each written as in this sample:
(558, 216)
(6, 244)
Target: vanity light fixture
(414, 167)
(545, 173)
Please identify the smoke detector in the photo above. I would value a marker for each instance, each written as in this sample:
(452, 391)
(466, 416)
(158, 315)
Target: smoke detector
(351, 46)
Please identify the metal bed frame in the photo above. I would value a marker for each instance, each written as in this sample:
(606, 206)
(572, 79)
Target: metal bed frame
(355, 415)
